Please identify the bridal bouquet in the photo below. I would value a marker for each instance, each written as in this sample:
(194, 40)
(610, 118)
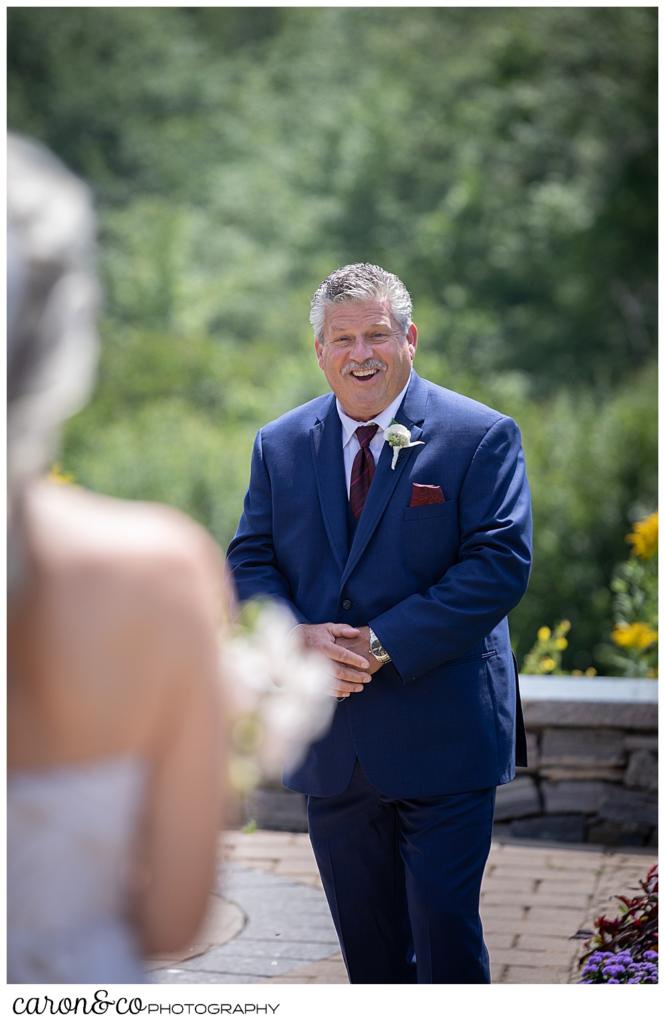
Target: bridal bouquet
(279, 690)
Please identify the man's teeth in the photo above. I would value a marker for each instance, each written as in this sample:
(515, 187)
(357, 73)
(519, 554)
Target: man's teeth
(363, 373)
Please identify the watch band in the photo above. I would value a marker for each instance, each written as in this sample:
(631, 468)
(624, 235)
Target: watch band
(377, 649)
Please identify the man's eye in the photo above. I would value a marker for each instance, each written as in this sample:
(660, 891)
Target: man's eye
(343, 340)
(379, 335)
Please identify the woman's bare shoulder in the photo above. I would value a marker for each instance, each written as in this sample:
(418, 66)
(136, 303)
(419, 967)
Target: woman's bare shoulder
(128, 606)
(139, 550)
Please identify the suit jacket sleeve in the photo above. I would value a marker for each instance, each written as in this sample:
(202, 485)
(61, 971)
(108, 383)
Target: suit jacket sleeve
(251, 554)
(427, 629)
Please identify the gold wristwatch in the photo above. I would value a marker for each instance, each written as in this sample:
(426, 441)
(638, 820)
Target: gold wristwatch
(376, 648)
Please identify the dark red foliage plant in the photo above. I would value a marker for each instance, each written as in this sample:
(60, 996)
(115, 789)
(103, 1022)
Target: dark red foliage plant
(635, 928)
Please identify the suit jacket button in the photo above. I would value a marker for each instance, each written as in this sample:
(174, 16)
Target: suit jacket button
(346, 604)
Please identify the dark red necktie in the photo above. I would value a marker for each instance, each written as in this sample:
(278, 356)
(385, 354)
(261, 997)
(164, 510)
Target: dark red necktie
(362, 470)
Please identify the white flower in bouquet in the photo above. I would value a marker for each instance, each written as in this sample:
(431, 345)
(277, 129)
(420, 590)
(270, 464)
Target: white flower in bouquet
(280, 691)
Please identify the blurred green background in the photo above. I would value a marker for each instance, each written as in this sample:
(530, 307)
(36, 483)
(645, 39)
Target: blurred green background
(502, 161)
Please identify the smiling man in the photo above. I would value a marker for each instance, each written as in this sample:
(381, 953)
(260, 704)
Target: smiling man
(366, 356)
(401, 565)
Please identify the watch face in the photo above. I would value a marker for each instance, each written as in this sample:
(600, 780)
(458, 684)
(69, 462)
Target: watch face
(378, 651)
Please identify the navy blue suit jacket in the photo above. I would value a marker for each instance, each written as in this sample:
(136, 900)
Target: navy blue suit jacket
(435, 582)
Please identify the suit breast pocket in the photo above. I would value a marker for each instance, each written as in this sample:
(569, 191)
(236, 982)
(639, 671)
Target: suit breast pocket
(430, 539)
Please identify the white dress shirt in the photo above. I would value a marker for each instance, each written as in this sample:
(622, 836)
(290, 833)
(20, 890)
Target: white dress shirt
(350, 443)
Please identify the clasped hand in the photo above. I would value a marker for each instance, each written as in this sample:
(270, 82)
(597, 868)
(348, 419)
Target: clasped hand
(347, 647)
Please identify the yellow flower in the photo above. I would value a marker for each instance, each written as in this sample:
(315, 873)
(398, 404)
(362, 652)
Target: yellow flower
(547, 664)
(591, 671)
(56, 476)
(644, 537)
(544, 633)
(561, 643)
(564, 626)
(636, 635)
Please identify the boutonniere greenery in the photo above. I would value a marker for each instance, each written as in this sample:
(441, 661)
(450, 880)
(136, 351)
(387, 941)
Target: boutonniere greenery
(398, 436)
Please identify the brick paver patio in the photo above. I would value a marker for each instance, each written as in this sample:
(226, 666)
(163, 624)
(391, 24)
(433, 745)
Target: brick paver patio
(271, 922)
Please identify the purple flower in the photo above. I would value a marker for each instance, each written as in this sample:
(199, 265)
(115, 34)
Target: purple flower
(612, 970)
(620, 967)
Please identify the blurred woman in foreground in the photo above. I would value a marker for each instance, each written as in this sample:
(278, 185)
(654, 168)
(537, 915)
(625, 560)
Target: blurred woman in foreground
(115, 740)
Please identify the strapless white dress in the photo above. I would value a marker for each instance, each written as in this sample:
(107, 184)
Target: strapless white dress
(71, 839)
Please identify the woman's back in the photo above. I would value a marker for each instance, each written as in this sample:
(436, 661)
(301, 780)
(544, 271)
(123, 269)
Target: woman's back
(112, 591)
(113, 735)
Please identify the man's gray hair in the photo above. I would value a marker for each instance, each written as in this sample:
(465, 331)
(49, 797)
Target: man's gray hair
(355, 283)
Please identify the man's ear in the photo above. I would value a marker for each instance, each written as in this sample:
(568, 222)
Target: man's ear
(412, 339)
(318, 346)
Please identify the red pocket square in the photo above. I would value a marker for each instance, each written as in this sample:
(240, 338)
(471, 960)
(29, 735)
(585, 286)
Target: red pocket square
(426, 494)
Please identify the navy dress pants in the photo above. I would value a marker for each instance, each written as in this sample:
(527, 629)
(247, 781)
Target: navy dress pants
(402, 879)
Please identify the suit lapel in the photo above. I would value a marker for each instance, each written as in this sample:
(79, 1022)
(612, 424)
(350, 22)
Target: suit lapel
(326, 438)
(411, 413)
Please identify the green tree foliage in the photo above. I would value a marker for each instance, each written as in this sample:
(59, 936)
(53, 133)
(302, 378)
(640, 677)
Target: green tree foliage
(502, 161)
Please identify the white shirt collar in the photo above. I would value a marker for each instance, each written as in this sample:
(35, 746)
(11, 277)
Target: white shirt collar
(383, 420)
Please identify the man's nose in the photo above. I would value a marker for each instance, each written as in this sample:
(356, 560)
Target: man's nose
(361, 349)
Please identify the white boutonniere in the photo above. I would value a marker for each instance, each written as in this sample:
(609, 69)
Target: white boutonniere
(398, 436)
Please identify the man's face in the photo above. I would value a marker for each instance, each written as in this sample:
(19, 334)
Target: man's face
(365, 356)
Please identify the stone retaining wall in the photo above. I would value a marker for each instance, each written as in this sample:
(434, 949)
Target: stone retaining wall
(592, 775)
(593, 768)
